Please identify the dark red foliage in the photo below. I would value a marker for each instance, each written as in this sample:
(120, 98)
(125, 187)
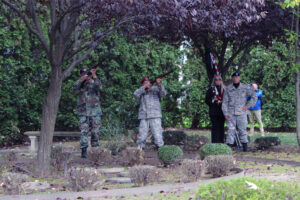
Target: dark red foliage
(209, 25)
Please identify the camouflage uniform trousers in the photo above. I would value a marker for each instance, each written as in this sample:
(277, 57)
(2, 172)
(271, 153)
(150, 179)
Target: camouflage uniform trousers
(155, 126)
(237, 122)
(89, 124)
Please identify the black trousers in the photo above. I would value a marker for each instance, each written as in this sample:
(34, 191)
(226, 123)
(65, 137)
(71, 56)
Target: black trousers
(217, 129)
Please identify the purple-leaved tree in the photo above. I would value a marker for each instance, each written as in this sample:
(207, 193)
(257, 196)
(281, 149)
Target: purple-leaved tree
(210, 26)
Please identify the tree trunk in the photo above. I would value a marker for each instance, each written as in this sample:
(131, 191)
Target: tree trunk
(50, 108)
(298, 106)
(297, 61)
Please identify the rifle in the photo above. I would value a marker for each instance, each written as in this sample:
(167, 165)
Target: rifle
(161, 76)
(90, 73)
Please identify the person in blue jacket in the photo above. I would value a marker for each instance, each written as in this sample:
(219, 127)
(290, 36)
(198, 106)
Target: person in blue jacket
(255, 111)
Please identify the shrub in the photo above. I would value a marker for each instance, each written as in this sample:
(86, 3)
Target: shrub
(83, 178)
(194, 142)
(169, 154)
(10, 158)
(10, 134)
(111, 128)
(174, 137)
(58, 157)
(11, 182)
(266, 142)
(116, 145)
(240, 189)
(99, 155)
(193, 169)
(133, 135)
(219, 165)
(133, 156)
(143, 175)
(214, 149)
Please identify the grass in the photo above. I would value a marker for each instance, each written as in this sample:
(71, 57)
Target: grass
(274, 155)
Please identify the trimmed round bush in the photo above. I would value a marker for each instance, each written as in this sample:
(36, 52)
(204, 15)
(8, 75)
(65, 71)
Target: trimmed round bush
(169, 154)
(266, 142)
(248, 188)
(210, 149)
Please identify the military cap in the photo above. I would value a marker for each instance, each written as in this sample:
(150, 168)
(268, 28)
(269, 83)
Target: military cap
(236, 74)
(84, 71)
(144, 79)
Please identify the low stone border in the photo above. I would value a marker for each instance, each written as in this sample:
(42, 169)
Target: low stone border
(121, 192)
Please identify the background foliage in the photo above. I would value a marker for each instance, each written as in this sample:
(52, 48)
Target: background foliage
(24, 79)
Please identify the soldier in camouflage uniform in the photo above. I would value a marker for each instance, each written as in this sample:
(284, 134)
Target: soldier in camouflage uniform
(150, 111)
(88, 108)
(235, 108)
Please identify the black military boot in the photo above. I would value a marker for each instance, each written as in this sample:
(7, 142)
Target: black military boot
(230, 145)
(84, 152)
(245, 147)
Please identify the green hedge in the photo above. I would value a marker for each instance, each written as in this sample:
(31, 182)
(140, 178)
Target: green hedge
(238, 189)
(169, 153)
(210, 149)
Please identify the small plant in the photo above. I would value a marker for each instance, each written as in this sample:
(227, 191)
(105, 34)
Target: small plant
(248, 188)
(174, 137)
(143, 175)
(193, 169)
(194, 142)
(99, 155)
(219, 165)
(214, 149)
(133, 156)
(58, 157)
(11, 182)
(116, 144)
(83, 178)
(111, 128)
(266, 142)
(169, 154)
(10, 158)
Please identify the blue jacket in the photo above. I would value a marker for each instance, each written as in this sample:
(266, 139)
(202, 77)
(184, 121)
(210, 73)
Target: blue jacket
(257, 106)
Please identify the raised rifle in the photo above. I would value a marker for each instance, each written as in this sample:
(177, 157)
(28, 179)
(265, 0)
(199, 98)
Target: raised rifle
(161, 76)
(89, 73)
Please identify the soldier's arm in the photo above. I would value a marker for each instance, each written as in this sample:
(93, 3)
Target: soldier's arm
(77, 86)
(162, 91)
(253, 97)
(225, 103)
(98, 84)
(137, 94)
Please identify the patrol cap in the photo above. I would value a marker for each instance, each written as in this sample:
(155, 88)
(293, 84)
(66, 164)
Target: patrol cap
(144, 79)
(235, 74)
(84, 71)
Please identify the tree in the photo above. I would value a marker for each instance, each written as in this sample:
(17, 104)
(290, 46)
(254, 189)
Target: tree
(67, 39)
(294, 34)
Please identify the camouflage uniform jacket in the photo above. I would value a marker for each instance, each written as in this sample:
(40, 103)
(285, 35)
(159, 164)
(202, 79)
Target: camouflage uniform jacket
(149, 101)
(88, 97)
(236, 98)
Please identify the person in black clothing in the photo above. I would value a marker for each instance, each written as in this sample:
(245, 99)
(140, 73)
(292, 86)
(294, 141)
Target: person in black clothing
(213, 99)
